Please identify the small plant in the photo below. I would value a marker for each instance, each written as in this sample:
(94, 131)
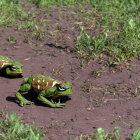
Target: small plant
(137, 90)
(11, 39)
(39, 33)
(87, 46)
(136, 135)
(97, 73)
(101, 135)
(87, 86)
(11, 128)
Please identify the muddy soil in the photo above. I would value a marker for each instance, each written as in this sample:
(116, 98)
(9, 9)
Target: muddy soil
(102, 96)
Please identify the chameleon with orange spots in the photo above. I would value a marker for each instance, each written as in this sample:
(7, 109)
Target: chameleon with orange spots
(45, 87)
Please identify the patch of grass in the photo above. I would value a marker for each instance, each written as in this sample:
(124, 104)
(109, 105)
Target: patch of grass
(11, 128)
(9, 11)
(12, 13)
(101, 135)
(47, 3)
(117, 31)
(34, 25)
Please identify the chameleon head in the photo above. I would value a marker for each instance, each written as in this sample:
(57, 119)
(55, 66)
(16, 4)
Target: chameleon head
(15, 69)
(64, 88)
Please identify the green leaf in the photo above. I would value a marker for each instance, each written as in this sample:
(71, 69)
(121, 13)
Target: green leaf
(13, 116)
(136, 135)
(132, 23)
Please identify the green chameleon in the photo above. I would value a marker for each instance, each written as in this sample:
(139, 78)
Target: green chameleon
(45, 86)
(12, 68)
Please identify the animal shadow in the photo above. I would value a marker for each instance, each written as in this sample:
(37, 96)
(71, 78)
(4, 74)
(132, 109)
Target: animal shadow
(29, 96)
(3, 74)
(63, 99)
(32, 96)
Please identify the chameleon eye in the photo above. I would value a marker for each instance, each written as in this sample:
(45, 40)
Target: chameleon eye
(13, 68)
(61, 88)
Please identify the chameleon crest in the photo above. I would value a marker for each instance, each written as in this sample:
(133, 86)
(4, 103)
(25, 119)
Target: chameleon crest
(42, 84)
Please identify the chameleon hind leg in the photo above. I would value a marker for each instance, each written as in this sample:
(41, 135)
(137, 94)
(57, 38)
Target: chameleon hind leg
(21, 99)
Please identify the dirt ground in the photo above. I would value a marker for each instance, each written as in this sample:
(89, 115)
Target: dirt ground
(102, 96)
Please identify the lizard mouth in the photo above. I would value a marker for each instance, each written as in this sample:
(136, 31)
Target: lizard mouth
(15, 74)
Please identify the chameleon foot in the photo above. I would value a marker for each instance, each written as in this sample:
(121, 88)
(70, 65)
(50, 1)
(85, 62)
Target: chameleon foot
(25, 102)
(57, 105)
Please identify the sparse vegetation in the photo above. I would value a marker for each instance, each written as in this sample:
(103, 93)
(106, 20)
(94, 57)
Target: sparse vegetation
(13, 14)
(10, 10)
(11, 128)
(46, 3)
(117, 31)
(101, 135)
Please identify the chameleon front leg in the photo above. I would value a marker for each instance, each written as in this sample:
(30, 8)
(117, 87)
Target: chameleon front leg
(41, 97)
(21, 99)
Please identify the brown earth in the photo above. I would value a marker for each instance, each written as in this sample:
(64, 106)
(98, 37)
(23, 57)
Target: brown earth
(102, 96)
